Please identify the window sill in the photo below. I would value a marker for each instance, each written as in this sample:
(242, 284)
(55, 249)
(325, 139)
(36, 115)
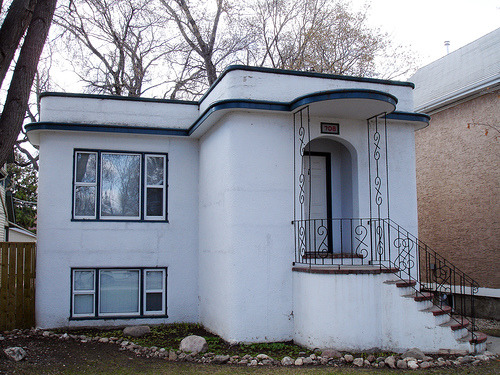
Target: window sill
(119, 221)
(119, 317)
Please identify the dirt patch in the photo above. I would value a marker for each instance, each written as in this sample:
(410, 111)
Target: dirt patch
(47, 355)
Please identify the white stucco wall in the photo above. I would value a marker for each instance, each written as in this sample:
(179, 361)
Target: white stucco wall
(357, 312)
(118, 111)
(257, 85)
(246, 236)
(63, 244)
(229, 242)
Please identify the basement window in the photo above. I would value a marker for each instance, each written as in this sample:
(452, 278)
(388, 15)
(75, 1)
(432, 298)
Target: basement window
(118, 292)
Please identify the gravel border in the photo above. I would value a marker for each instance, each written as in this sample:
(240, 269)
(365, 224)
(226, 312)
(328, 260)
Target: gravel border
(444, 358)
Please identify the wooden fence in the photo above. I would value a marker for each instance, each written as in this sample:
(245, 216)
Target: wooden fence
(17, 285)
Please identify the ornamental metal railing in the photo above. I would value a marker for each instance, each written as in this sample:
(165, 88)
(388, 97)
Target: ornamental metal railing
(384, 243)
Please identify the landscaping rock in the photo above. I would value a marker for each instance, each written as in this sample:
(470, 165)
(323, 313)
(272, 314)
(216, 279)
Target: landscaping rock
(415, 353)
(358, 362)
(413, 365)
(136, 331)
(466, 359)
(331, 353)
(15, 353)
(390, 361)
(402, 364)
(221, 359)
(253, 362)
(425, 364)
(194, 344)
(348, 358)
(172, 355)
(261, 357)
(287, 361)
(299, 361)
(370, 358)
(307, 361)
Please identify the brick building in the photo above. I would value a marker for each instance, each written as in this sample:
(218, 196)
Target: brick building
(458, 162)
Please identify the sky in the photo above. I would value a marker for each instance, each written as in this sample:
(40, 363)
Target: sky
(427, 24)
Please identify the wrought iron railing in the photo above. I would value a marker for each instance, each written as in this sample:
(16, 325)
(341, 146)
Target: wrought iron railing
(384, 243)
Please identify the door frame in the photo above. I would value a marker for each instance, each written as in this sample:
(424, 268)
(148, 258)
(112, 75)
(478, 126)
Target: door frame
(328, 164)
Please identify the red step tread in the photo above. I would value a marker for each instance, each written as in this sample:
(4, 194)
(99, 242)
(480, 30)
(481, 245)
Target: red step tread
(480, 338)
(442, 310)
(424, 297)
(458, 325)
(406, 283)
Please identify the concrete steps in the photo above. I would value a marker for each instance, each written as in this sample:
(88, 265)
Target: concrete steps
(443, 315)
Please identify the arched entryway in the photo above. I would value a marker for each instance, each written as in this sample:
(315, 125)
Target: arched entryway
(329, 174)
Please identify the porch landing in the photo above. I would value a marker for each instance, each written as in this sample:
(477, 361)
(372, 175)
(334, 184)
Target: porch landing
(343, 270)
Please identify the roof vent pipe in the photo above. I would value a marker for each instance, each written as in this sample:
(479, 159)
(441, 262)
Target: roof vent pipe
(447, 45)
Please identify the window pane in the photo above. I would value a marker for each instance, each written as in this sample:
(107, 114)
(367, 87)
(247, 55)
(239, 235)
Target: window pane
(84, 280)
(84, 304)
(85, 200)
(154, 301)
(85, 167)
(154, 202)
(154, 280)
(120, 185)
(155, 170)
(119, 291)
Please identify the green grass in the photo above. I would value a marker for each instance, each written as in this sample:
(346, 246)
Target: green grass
(167, 368)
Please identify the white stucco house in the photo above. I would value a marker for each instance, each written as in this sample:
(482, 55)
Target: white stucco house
(272, 209)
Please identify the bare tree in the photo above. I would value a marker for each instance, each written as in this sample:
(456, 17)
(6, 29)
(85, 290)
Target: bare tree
(212, 34)
(322, 36)
(119, 43)
(16, 103)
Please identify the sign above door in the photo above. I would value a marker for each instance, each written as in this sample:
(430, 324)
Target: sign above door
(330, 128)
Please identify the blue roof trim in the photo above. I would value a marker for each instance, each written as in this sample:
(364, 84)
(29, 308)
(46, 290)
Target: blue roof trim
(115, 97)
(102, 128)
(304, 74)
(408, 116)
(294, 104)
(344, 94)
(239, 104)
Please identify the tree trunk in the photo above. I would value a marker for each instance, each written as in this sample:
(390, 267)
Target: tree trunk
(13, 28)
(14, 110)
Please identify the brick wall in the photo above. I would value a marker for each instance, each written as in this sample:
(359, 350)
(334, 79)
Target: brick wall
(458, 186)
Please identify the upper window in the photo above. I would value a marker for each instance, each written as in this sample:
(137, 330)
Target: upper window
(120, 186)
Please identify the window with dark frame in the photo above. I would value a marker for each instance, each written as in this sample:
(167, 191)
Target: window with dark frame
(118, 292)
(116, 185)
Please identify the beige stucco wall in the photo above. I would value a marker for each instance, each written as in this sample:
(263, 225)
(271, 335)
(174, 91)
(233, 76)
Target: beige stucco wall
(458, 186)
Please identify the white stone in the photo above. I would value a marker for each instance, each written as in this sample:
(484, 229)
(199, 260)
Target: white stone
(136, 331)
(413, 365)
(348, 358)
(414, 353)
(402, 364)
(194, 344)
(15, 353)
(390, 361)
(299, 361)
(287, 361)
(358, 362)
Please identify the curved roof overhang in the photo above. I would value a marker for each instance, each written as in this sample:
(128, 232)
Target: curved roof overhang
(358, 104)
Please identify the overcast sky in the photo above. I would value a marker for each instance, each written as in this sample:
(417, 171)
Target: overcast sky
(426, 24)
